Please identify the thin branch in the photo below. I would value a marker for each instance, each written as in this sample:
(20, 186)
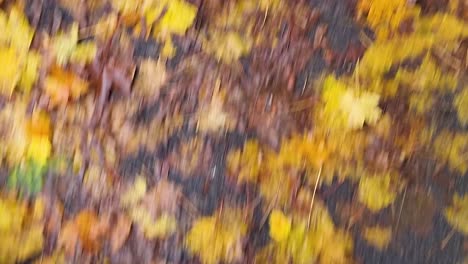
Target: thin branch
(313, 197)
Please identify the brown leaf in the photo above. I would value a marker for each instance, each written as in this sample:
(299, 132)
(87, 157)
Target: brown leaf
(164, 197)
(68, 238)
(120, 232)
(86, 228)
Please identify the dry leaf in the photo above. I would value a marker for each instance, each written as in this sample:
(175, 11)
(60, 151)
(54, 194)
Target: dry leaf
(120, 232)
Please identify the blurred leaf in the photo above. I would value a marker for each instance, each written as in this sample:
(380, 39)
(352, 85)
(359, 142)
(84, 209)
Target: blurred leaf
(84, 53)
(457, 213)
(135, 193)
(280, 226)
(60, 85)
(27, 177)
(321, 242)
(21, 230)
(379, 237)
(345, 108)
(178, 18)
(452, 148)
(120, 232)
(10, 73)
(218, 238)
(461, 104)
(376, 192)
(245, 164)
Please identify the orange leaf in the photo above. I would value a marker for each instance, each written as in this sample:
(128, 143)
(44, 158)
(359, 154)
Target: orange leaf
(91, 229)
(60, 85)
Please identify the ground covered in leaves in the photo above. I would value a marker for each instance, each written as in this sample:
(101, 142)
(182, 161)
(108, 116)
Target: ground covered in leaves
(206, 131)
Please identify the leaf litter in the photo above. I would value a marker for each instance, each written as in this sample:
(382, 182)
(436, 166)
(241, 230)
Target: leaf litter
(227, 143)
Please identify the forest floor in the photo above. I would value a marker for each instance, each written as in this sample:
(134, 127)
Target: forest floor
(207, 131)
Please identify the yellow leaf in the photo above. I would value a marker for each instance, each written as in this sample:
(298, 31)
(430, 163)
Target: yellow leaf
(136, 192)
(64, 43)
(245, 164)
(17, 33)
(178, 18)
(321, 242)
(31, 68)
(218, 238)
(461, 104)
(164, 226)
(280, 226)
(168, 50)
(21, 230)
(386, 16)
(343, 107)
(11, 69)
(13, 121)
(452, 148)
(378, 237)
(376, 192)
(84, 53)
(457, 213)
(227, 47)
(39, 150)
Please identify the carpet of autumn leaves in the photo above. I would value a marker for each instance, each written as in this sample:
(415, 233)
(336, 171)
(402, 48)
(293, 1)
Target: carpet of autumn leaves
(206, 131)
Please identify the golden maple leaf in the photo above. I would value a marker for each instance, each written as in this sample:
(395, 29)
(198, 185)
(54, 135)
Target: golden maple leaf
(280, 226)
(345, 108)
(218, 238)
(376, 191)
(457, 213)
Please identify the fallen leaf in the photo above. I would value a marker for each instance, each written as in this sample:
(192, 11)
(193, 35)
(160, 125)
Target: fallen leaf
(378, 237)
(461, 104)
(457, 213)
(64, 43)
(21, 230)
(150, 79)
(212, 117)
(120, 232)
(280, 226)
(177, 19)
(10, 73)
(345, 108)
(218, 238)
(376, 192)
(135, 193)
(60, 85)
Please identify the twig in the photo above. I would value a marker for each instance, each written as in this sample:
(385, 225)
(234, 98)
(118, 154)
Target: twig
(313, 197)
(447, 239)
(265, 17)
(401, 209)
